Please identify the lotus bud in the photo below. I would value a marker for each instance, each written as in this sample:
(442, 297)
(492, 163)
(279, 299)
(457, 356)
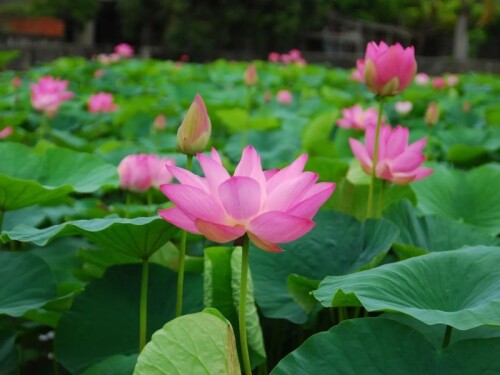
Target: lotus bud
(250, 76)
(432, 114)
(194, 133)
(160, 123)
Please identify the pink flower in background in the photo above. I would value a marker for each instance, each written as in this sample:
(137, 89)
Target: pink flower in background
(140, 172)
(124, 50)
(357, 74)
(48, 94)
(99, 73)
(284, 97)
(438, 83)
(431, 116)
(397, 161)
(286, 58)
(403, 107)
(6, 132)
(422, 79)
(295, 54)
(250, 75)
(388, 70)
(16, 82)
(184, 57)
(357, 118)
(273, 57)
(160, 123)
(107, 59)
(102, 103)
(272, 207)
(452, 80)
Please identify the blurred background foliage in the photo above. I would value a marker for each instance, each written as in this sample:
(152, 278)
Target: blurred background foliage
(198, 27)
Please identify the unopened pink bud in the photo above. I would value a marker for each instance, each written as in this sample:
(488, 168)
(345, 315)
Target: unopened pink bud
(194, 133)
(160, 123)
(431, 116)
(250, 76)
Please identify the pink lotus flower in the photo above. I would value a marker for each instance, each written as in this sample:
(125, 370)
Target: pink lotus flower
(48, 94)
(284, 97)
(194, 133)
(422, 79)
(160, 122)
(286, 58)
(388, 70)
(140, 172)
(108, 59)
(102, 103)
(403, 107)
(273, 57)
(99, 73)
(295, 54)
(124, 50)
(16, 82)
(397, 161)
(452, 80)
(6, 132)
(184, 57)
(270, 206)
(357, 118)
(250, 75)
(438, 83)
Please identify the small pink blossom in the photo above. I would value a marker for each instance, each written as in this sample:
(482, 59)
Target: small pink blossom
(452, 80)
(387, 70)
(431, 116)
(357, 118)
(286, 58)
(108, 59)
(438, 83)
(6, 132)
(99, 73)
(16, 82)
(397, 161)
(295, 54)
(422, 79)
(250, 75)
(273, 57)
(102, 103)
(284, 97)
(48, 94)
(403, 107)
(184, 58)
(271, 207)
(124, 50)
(160, 122)
(195, 130)
(140, 172)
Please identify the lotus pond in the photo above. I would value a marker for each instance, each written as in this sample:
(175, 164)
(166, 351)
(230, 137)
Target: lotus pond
(89, 270)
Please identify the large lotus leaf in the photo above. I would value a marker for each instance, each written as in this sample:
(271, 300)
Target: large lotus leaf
(103, 321)
(26, 283)
(116, 365)
(374, 346)
(421, 234)
(222, 279)
(201, 343)
(459, 288)
(435, 333)
(472, 197)
(338, 245)
(28, 178)
(139, 237)
(9, 356)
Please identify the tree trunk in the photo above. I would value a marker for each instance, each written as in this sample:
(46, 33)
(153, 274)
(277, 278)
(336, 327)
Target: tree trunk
(461, 36)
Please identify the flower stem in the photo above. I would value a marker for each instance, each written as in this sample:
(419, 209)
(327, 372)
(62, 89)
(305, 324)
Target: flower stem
(242, 312)
(380, 204)
(143, 311)
(182, 258)
(149, 198)
(374, 160)
(447, 336)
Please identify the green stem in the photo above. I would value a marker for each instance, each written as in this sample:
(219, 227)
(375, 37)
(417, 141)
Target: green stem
(1, 219)
(143, 312)
(342, 313)
(447, 336)
(128, 202)
(44, 128)
(380, 203)
(242, 312)
(182, 258)
(244, 136)
(374, 159)
(149, 198)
